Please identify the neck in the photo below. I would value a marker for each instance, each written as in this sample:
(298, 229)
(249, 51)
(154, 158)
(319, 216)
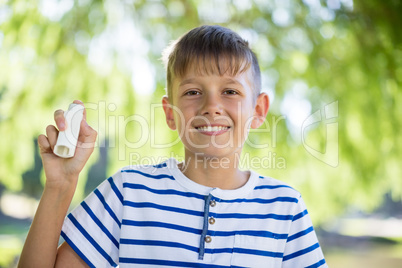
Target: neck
(215, 172)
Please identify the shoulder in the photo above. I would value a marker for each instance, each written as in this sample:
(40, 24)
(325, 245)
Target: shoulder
(276, 187)
(145, 169)
(155, 171)
(159, 165)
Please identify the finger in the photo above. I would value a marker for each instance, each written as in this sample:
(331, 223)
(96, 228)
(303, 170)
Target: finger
(59, 119)
(52, 133)
(85, 110)
(87, 137)
(86, 142)
(87, 133)
(44, 145)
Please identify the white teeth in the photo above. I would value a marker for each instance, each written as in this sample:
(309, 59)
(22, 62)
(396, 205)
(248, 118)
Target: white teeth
(212, 129)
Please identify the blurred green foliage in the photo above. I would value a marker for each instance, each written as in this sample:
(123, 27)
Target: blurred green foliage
(312, 54)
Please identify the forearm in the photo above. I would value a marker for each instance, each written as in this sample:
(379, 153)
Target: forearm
(40, 247)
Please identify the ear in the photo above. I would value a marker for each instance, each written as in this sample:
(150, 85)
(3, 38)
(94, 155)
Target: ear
(260, 110)
(168, 108)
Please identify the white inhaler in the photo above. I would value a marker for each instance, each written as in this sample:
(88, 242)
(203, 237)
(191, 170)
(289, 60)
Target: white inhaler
(67, 139)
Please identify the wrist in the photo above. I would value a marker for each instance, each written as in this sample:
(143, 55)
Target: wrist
(61, 185)
(58, 201)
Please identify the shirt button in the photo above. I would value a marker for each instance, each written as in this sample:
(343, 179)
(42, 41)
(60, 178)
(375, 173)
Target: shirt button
(211, 220)
(208, 239)
(212, 203)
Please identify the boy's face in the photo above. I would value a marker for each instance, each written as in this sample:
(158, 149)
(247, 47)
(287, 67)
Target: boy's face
(213, 113)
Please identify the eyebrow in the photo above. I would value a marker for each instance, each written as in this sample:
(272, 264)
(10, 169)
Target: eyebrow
(232, 81)
(187, 81)
(226, 80)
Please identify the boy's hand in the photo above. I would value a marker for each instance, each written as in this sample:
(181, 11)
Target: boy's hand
(63, 172)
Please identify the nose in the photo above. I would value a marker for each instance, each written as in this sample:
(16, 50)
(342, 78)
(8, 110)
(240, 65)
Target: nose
(211, 106)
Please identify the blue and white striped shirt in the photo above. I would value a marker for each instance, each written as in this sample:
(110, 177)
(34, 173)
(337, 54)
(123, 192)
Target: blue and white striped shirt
(154, 216)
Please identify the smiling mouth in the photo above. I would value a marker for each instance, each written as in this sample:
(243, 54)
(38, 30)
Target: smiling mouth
(212, 128)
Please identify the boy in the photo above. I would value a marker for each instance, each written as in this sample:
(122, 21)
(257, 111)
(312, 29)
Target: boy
(204, 212)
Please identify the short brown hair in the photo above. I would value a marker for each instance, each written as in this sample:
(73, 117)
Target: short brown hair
(210, 49)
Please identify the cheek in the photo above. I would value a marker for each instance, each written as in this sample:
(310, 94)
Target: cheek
(182, 118)
(244, 114)
(178, 119)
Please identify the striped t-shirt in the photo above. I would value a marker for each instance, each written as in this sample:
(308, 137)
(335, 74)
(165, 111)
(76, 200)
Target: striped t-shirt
(154, 216)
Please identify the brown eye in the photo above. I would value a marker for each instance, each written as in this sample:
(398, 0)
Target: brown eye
(230, 92)
(192, 93)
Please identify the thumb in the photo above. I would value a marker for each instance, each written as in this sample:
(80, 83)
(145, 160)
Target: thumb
(87, 136)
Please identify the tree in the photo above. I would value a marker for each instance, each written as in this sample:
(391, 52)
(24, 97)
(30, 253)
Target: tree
(340, 58)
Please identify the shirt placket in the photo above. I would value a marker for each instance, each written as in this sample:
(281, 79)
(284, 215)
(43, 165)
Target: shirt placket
(206, 238)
